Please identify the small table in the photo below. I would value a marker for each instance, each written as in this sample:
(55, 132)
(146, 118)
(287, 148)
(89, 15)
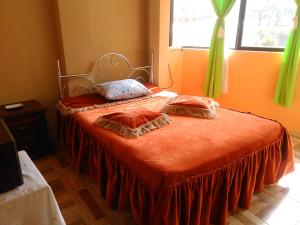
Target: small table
(32, 203)
(29, 128)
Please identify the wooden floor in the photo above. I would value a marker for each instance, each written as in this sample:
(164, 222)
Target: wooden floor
(81, 204)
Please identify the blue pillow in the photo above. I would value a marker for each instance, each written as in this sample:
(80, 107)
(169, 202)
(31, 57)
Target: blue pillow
(121, 89)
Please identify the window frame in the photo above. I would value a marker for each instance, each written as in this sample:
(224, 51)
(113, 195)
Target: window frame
(239, 33)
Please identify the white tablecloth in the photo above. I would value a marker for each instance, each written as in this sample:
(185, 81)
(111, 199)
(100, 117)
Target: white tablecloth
(32, 203)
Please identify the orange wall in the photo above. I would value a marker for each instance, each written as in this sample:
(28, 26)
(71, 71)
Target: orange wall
(175, 63)
(252, 75)
(154, 38)
(252, 79)
(28, 53)
(90, 28)
(158, 22)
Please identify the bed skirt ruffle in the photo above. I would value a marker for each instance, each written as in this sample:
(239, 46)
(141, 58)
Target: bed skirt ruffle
(199, 200)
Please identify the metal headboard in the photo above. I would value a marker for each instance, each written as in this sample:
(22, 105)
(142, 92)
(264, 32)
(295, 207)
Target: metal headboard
(108, 67)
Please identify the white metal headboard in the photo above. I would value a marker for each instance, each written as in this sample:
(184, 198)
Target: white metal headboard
(108, 67)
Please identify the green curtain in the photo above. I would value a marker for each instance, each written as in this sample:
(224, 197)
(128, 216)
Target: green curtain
(215, 67)
(288, 72)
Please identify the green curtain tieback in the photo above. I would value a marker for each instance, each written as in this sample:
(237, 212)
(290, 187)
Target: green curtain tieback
(221, 30)
(296, 20)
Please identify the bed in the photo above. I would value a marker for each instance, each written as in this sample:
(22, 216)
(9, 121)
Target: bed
(193, 171)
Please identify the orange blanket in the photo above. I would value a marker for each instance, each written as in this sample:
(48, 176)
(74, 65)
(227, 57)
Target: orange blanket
(192, 171)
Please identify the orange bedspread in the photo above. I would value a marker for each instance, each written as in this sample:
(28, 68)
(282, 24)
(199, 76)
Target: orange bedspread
(192, 171)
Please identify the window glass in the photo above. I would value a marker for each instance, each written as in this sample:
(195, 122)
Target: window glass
(268, 23)
(194, 21)
(231, 25)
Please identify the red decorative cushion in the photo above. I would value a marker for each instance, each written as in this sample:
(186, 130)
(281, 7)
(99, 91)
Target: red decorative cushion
(192, 101)
(133, 122)
(195, 106)
(133, 117)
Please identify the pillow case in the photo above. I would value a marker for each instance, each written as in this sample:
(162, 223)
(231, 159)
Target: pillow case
(195, 106)
(121, 89)
(133, 122)
(83, 100)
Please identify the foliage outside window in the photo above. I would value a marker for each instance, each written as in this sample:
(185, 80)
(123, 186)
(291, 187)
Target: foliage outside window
(252, 24)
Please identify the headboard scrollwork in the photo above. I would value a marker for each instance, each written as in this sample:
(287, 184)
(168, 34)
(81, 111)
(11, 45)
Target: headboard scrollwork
(108, 67)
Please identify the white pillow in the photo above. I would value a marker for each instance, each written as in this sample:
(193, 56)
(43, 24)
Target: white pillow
(121, 89)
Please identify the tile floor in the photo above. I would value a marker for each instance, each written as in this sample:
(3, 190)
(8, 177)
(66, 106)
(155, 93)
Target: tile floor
(81, 203)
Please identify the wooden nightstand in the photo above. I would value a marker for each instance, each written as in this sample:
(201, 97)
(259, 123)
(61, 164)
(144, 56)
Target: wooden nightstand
(29, 128)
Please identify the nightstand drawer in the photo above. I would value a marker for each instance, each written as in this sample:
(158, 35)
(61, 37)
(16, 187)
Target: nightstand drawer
(24, 138)
(23, 121)
(24, 128)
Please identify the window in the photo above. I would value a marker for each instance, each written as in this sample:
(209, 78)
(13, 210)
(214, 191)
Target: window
(190, 15)
(253, 24)
(267, 23)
